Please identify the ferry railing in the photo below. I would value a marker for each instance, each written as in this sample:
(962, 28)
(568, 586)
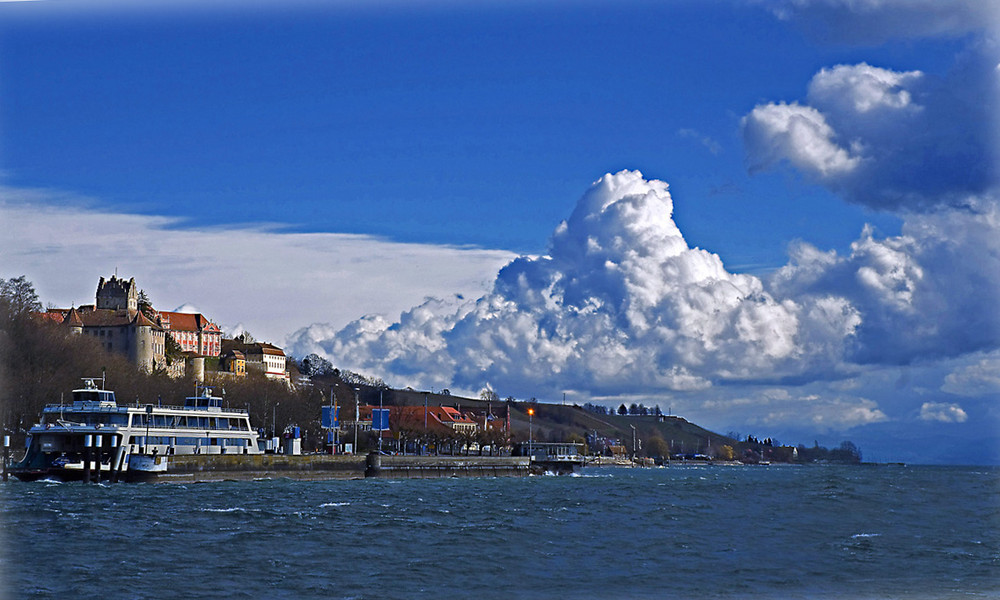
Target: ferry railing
(125, 407)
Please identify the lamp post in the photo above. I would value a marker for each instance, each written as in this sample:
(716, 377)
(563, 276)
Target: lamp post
(274, 423)
(357, 417)
(633, 444)
(380, 422)
(531, 413)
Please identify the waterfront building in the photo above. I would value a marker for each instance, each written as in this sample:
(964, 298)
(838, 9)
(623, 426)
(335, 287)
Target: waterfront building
(260, 357)
(233, 362)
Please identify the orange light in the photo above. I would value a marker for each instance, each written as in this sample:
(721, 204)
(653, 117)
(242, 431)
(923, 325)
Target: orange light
(531, 411)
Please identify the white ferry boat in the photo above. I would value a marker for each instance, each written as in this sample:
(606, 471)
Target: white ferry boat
(96, 438)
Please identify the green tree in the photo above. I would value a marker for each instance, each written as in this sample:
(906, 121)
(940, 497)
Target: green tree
(171, 349)
(726, 453)
(847, 452)
(146, 306)
(656, 446)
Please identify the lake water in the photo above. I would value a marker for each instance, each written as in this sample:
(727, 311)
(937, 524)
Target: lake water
(680, 532)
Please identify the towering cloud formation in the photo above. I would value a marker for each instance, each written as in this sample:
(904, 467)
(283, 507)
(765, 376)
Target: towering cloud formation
(619, 303)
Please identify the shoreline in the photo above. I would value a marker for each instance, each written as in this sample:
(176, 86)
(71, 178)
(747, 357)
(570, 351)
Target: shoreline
(320, 467)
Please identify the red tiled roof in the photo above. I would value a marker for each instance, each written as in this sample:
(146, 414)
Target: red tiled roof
(252, 348)
(144, 321)
(439, 418)
(73, 318)
(189, 322)
(52, 315)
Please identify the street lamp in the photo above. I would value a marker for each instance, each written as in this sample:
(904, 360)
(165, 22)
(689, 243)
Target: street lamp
(633, 444)
(531, 413)
(357, 417)
(274, 419)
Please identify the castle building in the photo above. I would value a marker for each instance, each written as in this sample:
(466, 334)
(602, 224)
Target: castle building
(118, 325)
(117, 294)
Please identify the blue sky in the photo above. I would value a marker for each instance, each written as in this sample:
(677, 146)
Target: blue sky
(291, 168)
(437, 124)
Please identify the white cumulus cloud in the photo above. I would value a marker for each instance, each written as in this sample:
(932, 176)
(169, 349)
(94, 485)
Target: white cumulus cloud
(620, 302)
(798, 134)
(862, 89)
(942, 412)
(929, 292)
(891, 140)
(982, 378)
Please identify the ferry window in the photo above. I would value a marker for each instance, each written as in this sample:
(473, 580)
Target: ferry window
(85, 397)
(223, 423)
(160, 421)
(119, 419)
(138, 420)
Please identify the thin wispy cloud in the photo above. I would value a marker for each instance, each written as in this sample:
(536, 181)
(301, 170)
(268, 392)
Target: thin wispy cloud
(270, 281)
(710, 144)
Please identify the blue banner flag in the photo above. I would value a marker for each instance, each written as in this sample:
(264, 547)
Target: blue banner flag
(380, 419)
(330, 416)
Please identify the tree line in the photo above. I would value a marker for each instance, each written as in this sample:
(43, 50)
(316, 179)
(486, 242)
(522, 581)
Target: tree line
(41, 362)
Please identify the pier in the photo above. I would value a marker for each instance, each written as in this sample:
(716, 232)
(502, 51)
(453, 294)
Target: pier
(318, 467)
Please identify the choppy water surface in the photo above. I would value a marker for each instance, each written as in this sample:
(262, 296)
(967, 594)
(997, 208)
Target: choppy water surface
(765, 532)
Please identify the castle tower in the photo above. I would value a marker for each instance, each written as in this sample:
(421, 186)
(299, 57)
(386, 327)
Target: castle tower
(148, 344)
(117, 294)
